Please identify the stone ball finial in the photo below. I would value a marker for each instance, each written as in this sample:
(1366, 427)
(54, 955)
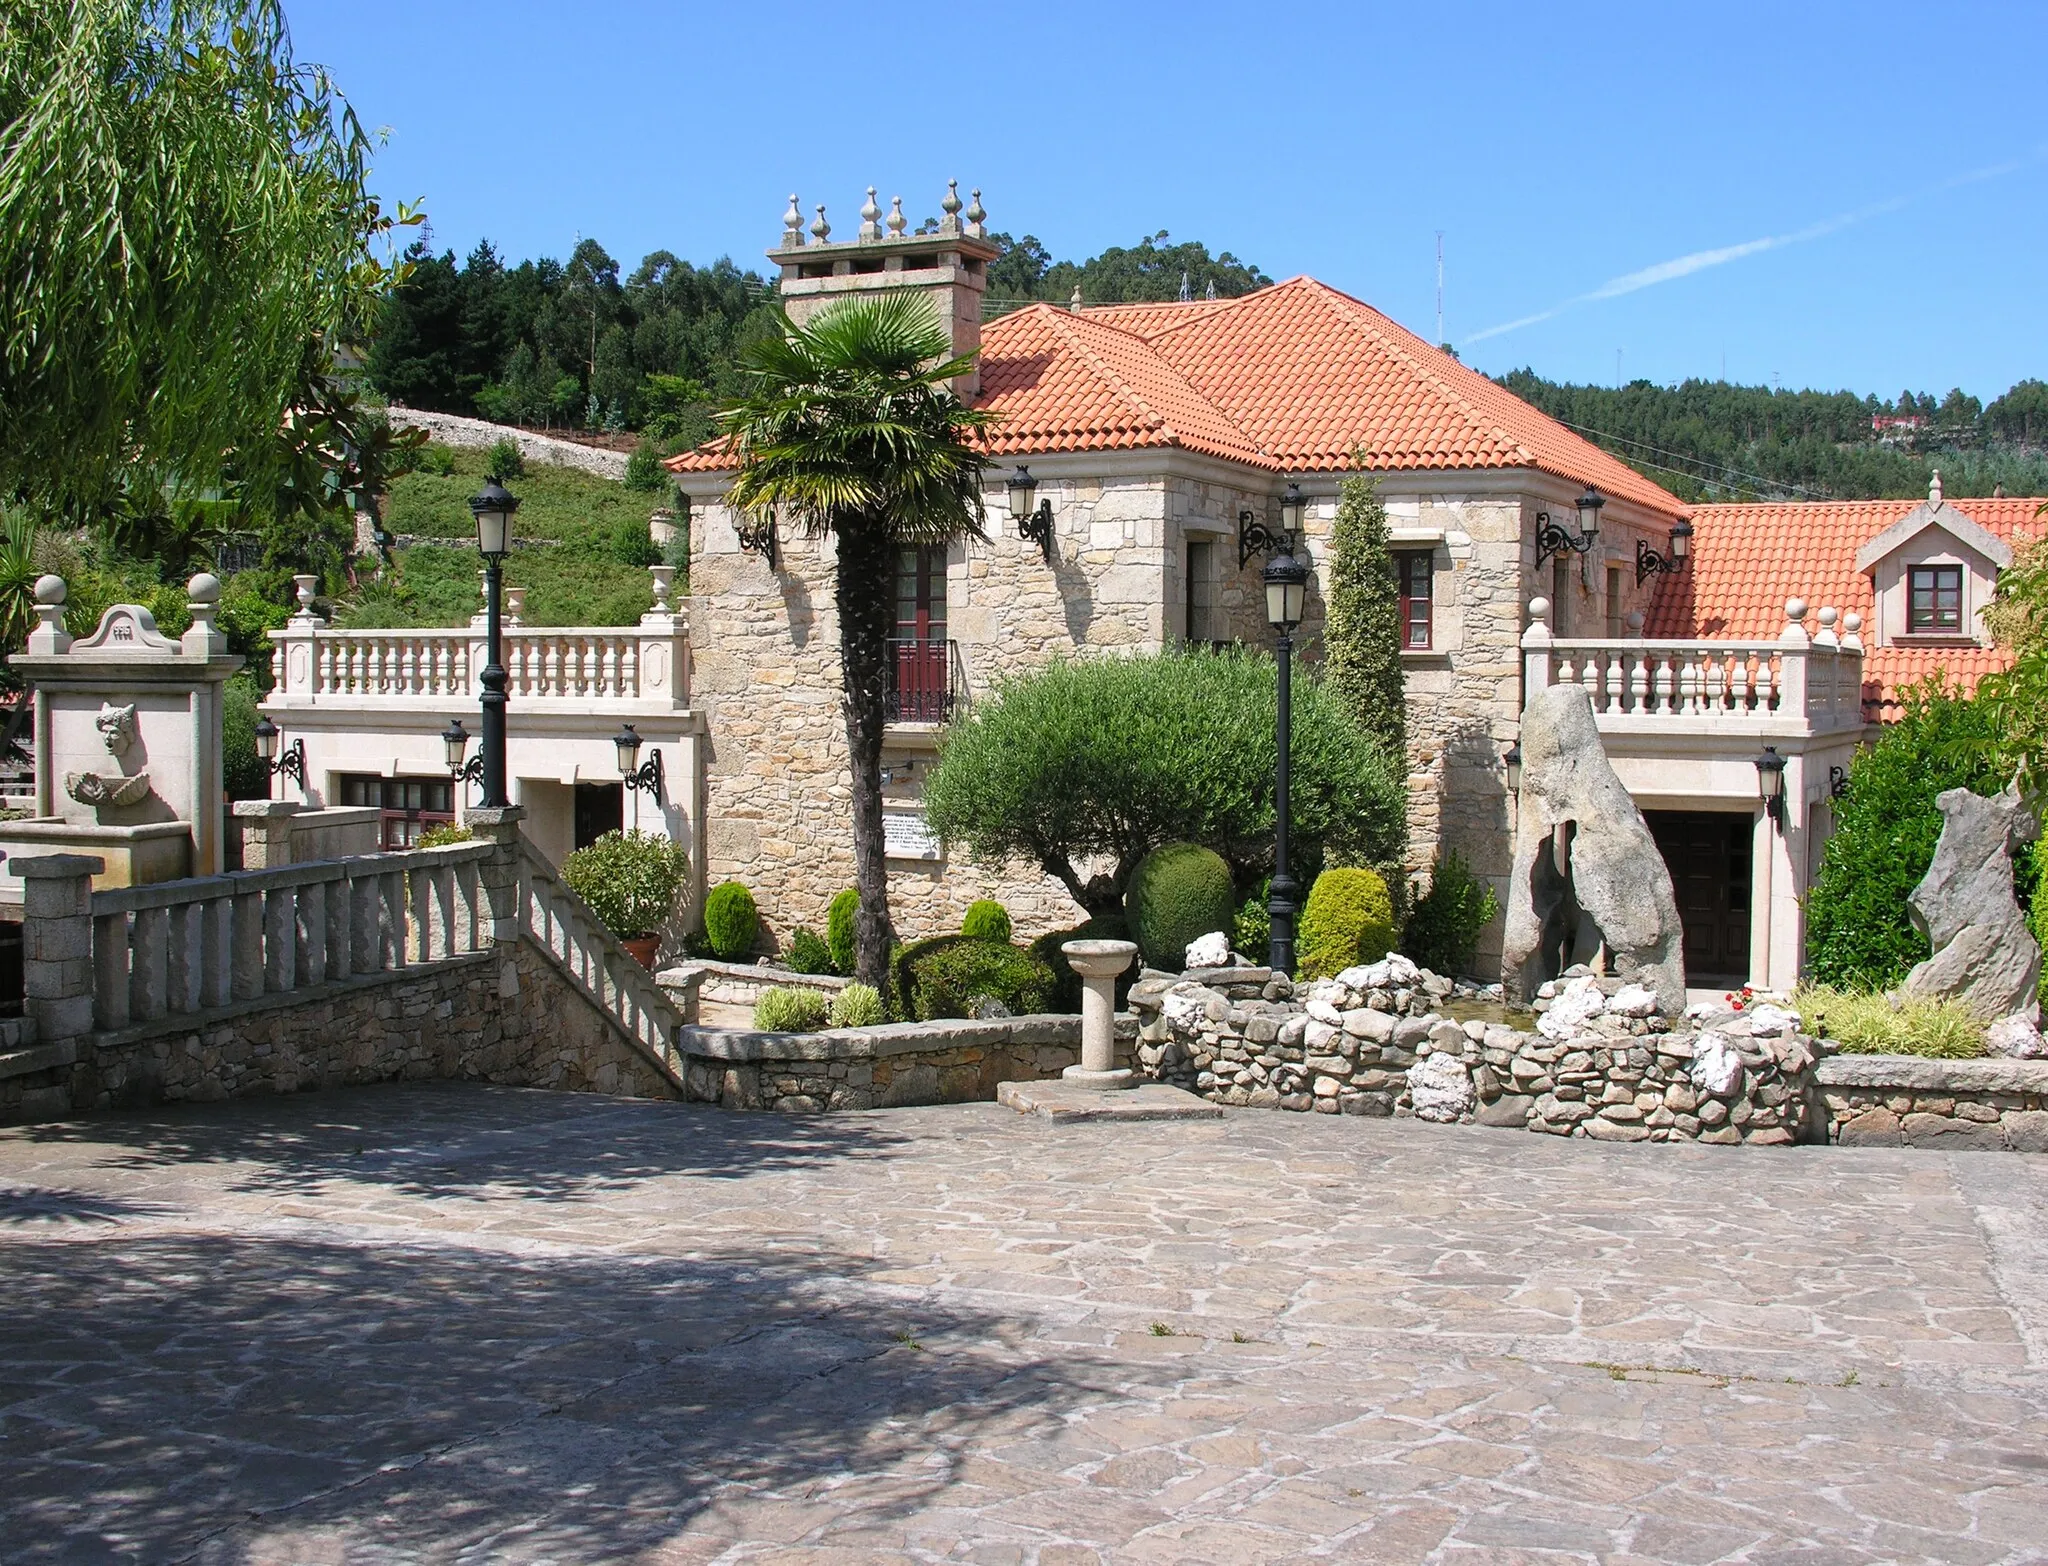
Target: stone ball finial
(1635, 622)
(203, 588)
(1539, 608)
(1829, 615)
(821, 230)
(952, 202)
(793, 219)
(1795, 609)
(975, 215)
(1852, 622)
(51, 590)
(1934, 488)
(897, 221)
(870, 227)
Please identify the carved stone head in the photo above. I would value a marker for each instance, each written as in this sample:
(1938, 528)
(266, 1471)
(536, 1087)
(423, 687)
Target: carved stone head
(117, 726)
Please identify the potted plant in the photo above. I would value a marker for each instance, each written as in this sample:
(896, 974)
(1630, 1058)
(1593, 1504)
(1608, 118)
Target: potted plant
(630, 880)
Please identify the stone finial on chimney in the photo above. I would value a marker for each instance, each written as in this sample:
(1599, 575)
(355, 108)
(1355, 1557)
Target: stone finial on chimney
(821, 230)
(792, 224)
(870, 227)
(897, 221)
(950, 223)
(1934, 488)
(974, 218)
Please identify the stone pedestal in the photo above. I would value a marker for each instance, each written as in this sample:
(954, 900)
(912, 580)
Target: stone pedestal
(266, 831)
(1098, 963)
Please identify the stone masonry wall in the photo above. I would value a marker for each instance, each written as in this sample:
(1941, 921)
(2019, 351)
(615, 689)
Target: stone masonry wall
(474, 1018)
(1951, 1105)
(952, 1062)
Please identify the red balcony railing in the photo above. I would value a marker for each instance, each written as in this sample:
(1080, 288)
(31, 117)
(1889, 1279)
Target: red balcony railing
(921, 680)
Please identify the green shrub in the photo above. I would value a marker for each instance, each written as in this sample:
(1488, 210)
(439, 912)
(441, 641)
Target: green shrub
(1086, 765)
(839, 929)
(643, 469)
(434, 458)
(1865, 1023)
(1859, 935)
(1362, 626)
(1445, 924)
(856, 1006)
(2037, 904)
(1252, 933)
(504, 461)
(937, 977)
(1179, 893)
(243, 772)
(629, 879)
(987, 920)
(808, 952)
(442, 833)
(1066, 993)
(787, 1009)
(632, 545)
(731, 921)
(1348, 919)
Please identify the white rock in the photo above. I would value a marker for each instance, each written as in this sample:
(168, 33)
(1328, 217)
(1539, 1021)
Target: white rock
(1576, 1004)
(1400, 970)
(1328, 991)
(1769, 1019)
(1440, 1088)
(1699, 1009)
(1632, 1000)
(1323, 1011)
(1368, 976)
(1209, 951)
(2018, 1037)
(1184, 1008)
(1716, 1067)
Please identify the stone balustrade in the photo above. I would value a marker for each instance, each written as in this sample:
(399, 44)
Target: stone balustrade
(1796, 684)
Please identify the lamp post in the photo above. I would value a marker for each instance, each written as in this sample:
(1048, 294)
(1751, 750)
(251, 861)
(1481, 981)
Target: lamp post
(492, 506)
(1286, 587)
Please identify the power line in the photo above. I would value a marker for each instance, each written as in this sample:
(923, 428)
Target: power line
(1679, 456)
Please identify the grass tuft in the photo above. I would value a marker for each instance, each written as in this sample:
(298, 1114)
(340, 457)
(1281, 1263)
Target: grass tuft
(1866, 1023)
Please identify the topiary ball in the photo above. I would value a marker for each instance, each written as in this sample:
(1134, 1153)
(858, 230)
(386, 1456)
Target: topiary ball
(1180, 892)
(731, 921)
(987, 920)
(839, 929)
(1349, 919)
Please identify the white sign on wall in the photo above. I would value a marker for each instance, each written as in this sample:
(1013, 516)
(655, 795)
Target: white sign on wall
(905, 836)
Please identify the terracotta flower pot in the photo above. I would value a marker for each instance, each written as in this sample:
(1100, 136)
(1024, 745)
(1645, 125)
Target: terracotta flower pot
(645, 948)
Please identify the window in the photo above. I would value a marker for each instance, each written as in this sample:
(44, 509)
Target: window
(1201, 590)
(1614, 620)
(920, 668)
(1934, 603)
(1412, 571)
(409, 805)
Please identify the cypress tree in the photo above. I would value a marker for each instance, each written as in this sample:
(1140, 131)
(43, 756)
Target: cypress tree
(1362, 630)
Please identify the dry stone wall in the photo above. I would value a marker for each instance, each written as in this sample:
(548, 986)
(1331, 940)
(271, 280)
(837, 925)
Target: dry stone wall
(1952, 1105)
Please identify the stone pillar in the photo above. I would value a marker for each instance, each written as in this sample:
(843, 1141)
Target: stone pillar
(266, 831)
(1536, 644)
(56, 936)
(1098, 963)
(498, 873)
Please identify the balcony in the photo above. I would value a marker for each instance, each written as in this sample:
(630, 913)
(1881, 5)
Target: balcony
(924, 677)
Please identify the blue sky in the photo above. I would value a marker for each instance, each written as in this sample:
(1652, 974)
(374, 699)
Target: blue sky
(1838, 196)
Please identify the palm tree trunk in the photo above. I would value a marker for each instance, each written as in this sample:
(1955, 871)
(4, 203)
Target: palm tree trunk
(866, 602)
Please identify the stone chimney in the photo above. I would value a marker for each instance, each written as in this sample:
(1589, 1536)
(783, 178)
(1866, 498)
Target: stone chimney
(950, 265)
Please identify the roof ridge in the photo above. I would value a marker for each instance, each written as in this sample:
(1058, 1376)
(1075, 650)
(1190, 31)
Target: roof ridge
(1062, 322)
(1218, 306)
(1337, 300)
(1131, 394)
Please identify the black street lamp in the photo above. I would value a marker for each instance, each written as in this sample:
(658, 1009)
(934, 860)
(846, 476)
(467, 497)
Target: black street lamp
(292, 764)
(1286, 588)
(493, 507)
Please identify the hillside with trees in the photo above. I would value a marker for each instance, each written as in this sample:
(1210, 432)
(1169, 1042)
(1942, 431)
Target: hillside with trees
(1710, 440)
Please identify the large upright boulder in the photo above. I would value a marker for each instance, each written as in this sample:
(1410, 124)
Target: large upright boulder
(1984, 955)
(1582, 848)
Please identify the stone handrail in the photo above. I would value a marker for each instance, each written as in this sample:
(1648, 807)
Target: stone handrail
(561, 924)
(175, 947)
(1813, 685)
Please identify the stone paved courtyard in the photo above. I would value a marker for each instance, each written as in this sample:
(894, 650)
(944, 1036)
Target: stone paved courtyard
(439, 1322)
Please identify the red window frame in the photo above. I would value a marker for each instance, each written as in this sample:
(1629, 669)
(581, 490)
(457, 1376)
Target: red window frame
(407, 806)
(1934, 600)
(1413, 573)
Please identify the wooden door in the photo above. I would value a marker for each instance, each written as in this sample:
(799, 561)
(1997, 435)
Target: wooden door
(1707, 853)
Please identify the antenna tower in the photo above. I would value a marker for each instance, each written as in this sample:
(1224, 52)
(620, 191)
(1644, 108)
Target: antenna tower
(1440, 287)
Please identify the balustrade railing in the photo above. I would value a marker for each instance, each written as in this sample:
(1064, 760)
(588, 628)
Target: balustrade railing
(186, 946)
(562, 925)
(1811, 683)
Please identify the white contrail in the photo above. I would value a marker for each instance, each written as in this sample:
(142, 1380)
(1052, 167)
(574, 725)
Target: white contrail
(1701, 260)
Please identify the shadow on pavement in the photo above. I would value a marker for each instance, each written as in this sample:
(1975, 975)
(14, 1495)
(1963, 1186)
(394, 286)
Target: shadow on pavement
(467, 1139)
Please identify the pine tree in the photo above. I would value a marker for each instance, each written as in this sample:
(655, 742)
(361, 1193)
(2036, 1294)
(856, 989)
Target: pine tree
(1362, 630)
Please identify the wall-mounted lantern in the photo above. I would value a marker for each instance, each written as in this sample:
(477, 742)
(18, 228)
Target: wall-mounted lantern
(1255, 538)
(639, 779)
(292, 764)
(1032, 515)
(454, 747)
(1649, 562)
(758, 537)
(1770, 784)
(1554, 540)
(1511, 763)
(1838, 782)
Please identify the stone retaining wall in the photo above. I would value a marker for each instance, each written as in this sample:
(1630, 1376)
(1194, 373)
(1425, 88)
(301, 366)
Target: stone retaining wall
(950, 1062)
(452, 429)
(473, 1017)
(722, 994)
(1954, 1105)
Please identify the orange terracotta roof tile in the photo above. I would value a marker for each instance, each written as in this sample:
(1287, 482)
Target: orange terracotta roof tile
(1747, 560)
(1293, 378)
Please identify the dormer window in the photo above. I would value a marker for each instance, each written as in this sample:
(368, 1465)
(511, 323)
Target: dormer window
(1934, 604)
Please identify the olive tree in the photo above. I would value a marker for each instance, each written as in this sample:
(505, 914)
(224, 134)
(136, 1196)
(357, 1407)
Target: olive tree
(1086, 765)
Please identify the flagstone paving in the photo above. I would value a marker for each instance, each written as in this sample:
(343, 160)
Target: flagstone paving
(456, 1322)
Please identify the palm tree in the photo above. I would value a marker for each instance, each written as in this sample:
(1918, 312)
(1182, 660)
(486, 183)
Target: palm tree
(849, 430)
